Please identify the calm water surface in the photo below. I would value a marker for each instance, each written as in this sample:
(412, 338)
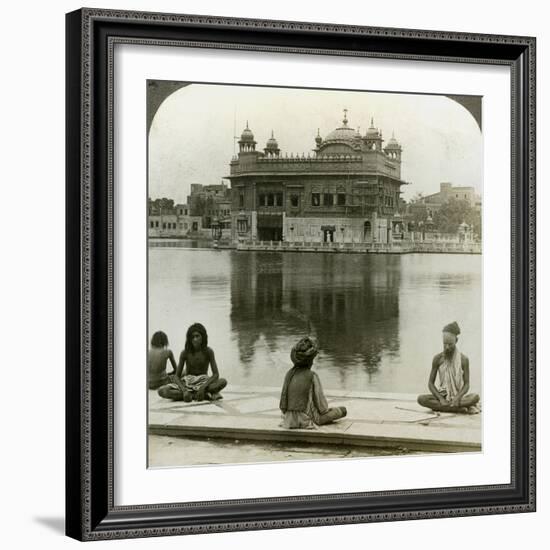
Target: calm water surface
(377, 318)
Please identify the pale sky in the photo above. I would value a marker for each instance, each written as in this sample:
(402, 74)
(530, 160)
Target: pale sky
(191, 136)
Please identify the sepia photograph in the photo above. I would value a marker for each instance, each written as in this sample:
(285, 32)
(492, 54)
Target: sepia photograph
(300, 273)
(314, 274)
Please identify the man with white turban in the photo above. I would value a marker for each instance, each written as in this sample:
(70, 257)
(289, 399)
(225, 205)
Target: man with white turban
(453, 367)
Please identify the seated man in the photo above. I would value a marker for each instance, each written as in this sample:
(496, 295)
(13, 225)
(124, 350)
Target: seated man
(454, 378)
(192, 383)
(303, 402)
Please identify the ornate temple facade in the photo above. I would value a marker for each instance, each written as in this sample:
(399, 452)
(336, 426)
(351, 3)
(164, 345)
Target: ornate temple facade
(347, 189)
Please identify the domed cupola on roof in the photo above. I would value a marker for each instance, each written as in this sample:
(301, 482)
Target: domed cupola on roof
(342, 134)
(393, 149)
(318, 139)
(373, 137)
(272, 147)
(372, 131)
(247, 143)
(393, 143)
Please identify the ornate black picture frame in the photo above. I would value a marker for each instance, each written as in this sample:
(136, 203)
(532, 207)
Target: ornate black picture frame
(90, 510)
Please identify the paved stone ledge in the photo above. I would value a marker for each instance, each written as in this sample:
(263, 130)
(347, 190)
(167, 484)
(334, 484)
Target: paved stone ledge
(374, 420)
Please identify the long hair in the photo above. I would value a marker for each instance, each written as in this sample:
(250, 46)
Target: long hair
(196, 327)
(159, 340)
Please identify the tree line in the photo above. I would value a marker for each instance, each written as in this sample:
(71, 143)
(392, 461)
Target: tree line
(448, 217)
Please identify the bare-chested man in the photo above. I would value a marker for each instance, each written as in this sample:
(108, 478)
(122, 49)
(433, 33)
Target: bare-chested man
(157, 358)
(191, 381)
(453, 368)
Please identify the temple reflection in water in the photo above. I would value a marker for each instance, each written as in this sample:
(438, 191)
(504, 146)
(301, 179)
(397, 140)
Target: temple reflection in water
(349, 303)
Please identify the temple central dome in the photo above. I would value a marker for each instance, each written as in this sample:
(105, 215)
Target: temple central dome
(344, 133)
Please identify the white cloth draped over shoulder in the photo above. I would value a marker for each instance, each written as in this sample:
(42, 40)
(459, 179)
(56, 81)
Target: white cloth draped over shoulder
(451, 376)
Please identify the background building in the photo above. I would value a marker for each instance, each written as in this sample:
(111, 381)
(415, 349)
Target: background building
(212, 203)
(453, 214)
(448, 191)
(168, 220)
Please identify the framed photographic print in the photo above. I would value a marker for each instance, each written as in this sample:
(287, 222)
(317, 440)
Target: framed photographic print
(300, 274)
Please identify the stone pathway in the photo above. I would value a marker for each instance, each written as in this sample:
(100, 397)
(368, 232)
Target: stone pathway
(374, 420)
